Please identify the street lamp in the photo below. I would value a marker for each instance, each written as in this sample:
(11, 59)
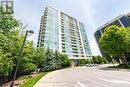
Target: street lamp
(20, 56)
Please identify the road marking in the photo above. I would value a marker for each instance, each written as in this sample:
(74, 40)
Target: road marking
(75, 86)
(54, 82)
(93, 81)
(81, 84)
(116, 81)
(97, 82)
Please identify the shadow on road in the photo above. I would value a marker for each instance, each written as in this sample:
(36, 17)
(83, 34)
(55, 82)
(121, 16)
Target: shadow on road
(108, 68)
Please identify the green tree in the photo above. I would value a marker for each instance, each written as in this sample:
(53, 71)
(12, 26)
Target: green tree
(38, 56)
(113, 41)
(6, 65)
(65, 61)
(95, 60)
(57, 60)
(8, 23)
(99, 60)
(8, 47)
(48, 62)
(127, 38)
(26, 68)
(82, 61)
(10, 44)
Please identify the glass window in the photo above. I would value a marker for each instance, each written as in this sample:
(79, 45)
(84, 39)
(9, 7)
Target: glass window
(125, 21)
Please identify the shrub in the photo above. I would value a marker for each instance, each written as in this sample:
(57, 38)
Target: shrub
(55, 60)
(27, 68)
(82, 61)
(65, 61)
(99, 60)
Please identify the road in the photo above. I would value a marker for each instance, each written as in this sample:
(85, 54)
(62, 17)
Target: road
(85, 77)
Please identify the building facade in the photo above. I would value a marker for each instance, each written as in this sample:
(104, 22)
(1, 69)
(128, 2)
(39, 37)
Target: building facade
(121, 20)
(63, 33)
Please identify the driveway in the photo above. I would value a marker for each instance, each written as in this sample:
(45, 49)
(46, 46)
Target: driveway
(85, 77)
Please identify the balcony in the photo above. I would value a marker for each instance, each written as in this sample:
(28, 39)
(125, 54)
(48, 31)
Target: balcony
(63, 40)
(63, 51)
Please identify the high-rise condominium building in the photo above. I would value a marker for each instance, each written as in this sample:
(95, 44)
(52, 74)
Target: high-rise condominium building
(121, 20)
(63, 33)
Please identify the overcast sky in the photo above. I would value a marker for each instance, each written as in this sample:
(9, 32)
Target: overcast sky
(93, 13)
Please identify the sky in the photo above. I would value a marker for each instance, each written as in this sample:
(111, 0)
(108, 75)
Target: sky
(93, 13)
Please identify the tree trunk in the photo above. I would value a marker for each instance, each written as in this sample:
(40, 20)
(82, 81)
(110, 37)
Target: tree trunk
(125, 59)
(120, 61)
(1, 81)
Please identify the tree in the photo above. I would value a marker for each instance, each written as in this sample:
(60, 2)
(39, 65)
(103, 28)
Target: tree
(10, 44)
(127, 38)
(6, 65)
(113, 41)
(57, 60)
(48, 62)
(38, 56)
(82, 61)
(8, 23)
(8, 47)
(26, 68)
(65, 61)
(99, 60)
(95, 60)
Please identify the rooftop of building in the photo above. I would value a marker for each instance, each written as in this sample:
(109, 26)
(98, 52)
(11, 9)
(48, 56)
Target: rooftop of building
(114, 19)
(63, 12)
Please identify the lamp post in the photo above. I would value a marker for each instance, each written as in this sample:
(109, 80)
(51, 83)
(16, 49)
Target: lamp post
(20, 56)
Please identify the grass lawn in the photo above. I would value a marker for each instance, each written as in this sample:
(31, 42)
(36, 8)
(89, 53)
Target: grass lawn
(32, 81)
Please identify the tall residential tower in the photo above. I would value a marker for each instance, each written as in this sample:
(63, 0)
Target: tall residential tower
(59, 31)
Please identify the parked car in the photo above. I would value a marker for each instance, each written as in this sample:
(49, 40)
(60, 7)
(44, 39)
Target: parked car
(90, 65)
(96, 64)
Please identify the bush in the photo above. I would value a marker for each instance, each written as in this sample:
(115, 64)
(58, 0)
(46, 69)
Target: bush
(27, 68)
(55, 60)
(48, 61)
(65, 61)
(82, 61)
(99, 60)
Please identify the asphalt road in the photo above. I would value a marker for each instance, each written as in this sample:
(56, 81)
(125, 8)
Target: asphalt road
(85, 77)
